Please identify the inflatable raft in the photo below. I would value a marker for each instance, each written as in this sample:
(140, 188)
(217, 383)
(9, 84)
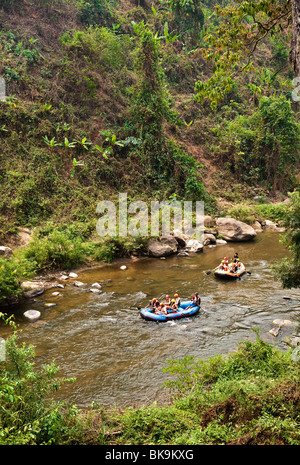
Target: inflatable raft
(186, 309)
(230, 274)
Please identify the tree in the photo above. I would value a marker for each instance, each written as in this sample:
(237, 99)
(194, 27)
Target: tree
(266, 144)
(151, 104)
(295, 43)
(288, 269)
(242, 26)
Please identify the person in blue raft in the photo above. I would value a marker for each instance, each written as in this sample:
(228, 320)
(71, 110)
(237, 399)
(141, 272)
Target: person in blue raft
(172, 306)
(171, 309)
(196, 300)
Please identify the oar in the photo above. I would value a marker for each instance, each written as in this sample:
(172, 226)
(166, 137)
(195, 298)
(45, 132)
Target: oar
(208, 272)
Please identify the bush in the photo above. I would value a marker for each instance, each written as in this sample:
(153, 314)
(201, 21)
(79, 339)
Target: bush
(27, 415)
(12, 271)
(56, 251)
(117, 247)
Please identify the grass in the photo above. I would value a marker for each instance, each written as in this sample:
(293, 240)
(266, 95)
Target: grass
(249, 212)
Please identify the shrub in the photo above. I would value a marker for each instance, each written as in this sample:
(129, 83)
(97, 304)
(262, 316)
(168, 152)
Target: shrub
(56, 251)
(27, 415)
(12, 271)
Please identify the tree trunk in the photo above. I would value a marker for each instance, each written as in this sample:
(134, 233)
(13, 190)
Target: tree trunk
(295, 45)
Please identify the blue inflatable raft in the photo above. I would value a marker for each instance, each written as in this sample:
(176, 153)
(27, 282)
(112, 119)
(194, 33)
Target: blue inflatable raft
(182, 312)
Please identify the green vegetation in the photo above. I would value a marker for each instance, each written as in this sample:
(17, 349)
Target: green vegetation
(288, 270)
(248, 397)
(28, 414)
(108, 105)
(153, 100)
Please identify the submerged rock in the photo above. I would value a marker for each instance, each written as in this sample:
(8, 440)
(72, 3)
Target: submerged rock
(94, 290)
(221, 242)
(96, 285)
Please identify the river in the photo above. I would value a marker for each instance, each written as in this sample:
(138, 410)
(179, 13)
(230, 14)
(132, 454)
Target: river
(117, 357)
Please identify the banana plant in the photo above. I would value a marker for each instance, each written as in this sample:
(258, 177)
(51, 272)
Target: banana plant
(84, 143)
(105, 152)
(47, 107)
(169, 39)
(50, 143)
(68, 144)
(75, 163)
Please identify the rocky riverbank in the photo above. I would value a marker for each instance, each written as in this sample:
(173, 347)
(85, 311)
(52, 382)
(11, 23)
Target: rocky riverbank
(217, 232)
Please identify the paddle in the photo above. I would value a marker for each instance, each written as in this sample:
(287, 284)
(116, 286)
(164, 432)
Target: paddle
(209, 272)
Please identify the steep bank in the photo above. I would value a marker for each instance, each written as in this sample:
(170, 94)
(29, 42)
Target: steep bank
(69, 138)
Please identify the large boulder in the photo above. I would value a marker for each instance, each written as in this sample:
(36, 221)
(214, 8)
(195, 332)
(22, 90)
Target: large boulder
(271, 226)
(257, 227)
(209, 222)
(193, 245)
(234, 230)
(209, 239)
(162, 246)
(32, 288)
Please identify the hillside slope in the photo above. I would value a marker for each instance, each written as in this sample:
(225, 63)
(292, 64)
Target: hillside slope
(71, 74)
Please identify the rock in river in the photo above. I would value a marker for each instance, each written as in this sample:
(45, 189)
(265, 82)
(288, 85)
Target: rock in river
(162, 246)
(193, 245)
(234, 230)
(32, 315)
(32, 288)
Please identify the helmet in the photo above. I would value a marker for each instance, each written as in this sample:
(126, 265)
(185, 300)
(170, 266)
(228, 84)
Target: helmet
(225, 258)
(167, 296)
(173, 300)
(196, 293)
(154, 300)
(162, 304)
(223, 261)
(175, 295)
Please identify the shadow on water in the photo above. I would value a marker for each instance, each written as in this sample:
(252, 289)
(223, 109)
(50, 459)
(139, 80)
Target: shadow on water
(117, 357)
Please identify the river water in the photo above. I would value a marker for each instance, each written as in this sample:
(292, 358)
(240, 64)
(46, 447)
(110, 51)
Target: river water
(117, 357)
